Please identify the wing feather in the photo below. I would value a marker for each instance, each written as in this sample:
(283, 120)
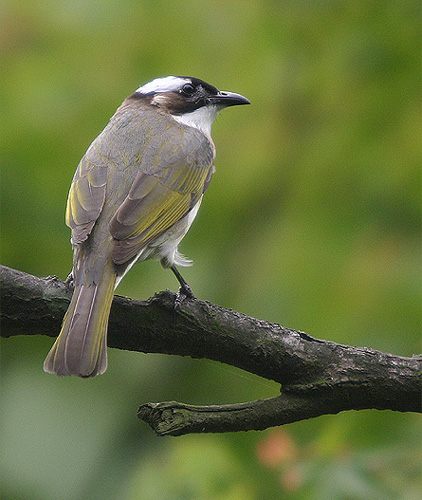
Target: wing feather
(86, 198)
(162, 193)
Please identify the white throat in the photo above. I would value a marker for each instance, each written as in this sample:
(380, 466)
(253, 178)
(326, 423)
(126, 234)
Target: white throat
(202, 118)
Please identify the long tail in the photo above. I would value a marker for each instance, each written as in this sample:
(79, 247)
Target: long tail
(81, 347)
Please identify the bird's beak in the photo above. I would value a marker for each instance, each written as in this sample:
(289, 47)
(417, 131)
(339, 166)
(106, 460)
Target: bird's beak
(228, 99)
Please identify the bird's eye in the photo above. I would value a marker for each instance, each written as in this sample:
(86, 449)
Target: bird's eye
(188, 89)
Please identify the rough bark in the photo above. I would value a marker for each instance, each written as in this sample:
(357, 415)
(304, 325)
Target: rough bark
(317, 377)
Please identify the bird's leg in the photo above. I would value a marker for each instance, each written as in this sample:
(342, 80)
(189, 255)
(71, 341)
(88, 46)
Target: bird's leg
(185, 291)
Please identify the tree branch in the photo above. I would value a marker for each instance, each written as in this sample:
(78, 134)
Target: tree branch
(317, 377)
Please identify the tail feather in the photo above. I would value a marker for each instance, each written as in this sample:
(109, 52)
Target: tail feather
(81, 347)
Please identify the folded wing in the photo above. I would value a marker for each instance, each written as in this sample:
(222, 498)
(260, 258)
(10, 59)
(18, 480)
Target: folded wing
(164, 191)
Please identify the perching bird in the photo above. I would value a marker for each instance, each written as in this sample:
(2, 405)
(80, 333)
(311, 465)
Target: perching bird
(134, 196)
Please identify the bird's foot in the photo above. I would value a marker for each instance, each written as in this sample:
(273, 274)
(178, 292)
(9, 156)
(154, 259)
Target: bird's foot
(69, 281)
(184, 293)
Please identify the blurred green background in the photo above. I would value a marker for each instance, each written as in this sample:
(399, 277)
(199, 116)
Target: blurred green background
(312, 221)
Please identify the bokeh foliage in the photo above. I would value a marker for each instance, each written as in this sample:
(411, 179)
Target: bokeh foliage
(312, 220)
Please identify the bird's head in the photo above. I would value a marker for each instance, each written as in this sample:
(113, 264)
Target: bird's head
(189, 100)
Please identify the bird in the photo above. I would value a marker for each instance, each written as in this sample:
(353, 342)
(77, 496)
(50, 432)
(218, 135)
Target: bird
(133, 197)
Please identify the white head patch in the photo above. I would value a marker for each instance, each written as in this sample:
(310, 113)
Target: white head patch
(165, 84)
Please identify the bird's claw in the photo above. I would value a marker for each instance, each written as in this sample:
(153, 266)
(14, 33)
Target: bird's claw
(69, 281)
(184, 293)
